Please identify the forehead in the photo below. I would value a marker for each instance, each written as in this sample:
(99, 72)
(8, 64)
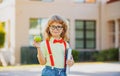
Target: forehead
(56, 23)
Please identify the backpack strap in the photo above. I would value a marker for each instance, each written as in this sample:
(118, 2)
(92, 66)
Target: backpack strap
(51, 56)
(65, 53)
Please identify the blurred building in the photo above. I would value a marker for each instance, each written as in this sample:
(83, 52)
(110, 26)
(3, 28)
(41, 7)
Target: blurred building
(93, 24)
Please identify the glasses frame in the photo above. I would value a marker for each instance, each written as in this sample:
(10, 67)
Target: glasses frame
(57, 27)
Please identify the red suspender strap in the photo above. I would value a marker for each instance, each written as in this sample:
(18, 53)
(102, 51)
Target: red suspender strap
(64, 54)
(51, 56)
(50, 53)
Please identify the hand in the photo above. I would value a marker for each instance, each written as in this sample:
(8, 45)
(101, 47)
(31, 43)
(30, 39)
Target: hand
(70, 62)
(36, 44)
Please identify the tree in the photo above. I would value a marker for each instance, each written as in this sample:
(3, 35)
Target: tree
(2, 35)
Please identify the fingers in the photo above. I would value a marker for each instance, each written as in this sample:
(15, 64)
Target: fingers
(70, 62)
(36, 44)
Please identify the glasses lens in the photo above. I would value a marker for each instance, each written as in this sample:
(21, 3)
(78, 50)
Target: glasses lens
(59, 27)
(53, 27)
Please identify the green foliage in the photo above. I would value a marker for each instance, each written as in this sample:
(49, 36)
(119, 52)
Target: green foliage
(33, 23)
(2, 39)
(75, 54)
(2, 35)
(107, 55)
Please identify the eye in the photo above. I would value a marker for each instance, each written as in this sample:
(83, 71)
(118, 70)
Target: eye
(53, 26)
(59, 27)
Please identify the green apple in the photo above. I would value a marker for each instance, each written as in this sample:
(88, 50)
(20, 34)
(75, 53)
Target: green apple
(37, 38)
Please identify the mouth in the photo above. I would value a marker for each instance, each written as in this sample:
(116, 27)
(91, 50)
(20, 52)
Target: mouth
(55, 32)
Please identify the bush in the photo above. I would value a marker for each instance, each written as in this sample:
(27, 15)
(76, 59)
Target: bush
(2, 35)
(107, 55)
(87, 56)
(2, 39)
(75, 54)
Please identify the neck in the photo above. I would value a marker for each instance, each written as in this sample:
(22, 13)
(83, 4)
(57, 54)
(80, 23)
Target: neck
(57, 38)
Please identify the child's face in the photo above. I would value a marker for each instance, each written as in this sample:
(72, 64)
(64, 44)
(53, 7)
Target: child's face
(56, 29)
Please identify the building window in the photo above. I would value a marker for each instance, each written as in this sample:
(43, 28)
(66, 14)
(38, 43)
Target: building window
(43, 0)
(85, 34)
(119, 30)
(111, 33)
(86, 1)
(37, 26)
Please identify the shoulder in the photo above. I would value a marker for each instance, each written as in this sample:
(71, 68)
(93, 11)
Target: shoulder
(67, 44)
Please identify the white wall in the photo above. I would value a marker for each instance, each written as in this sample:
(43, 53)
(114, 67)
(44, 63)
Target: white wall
(113, 10)
(7, 14)
(112, 13)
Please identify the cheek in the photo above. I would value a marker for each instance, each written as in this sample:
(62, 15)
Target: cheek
(50, 30)
(61, 31)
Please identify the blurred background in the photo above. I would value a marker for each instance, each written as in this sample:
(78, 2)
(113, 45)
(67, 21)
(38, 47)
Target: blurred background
(94, 28)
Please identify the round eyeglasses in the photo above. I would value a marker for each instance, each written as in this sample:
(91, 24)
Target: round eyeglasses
(53, 27)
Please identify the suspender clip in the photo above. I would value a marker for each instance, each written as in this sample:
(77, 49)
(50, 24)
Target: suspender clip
(52, 67)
